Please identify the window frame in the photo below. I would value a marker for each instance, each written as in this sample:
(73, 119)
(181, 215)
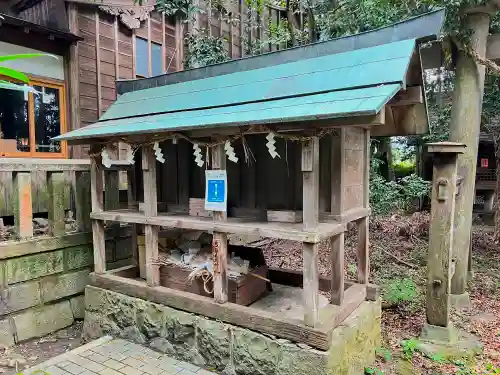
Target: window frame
(50, 83)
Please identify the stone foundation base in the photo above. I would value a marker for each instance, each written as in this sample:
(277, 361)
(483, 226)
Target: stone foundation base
(230, 349)
(460, 301)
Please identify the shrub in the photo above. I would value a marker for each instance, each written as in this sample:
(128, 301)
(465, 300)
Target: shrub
(403, 168)
(398, 291)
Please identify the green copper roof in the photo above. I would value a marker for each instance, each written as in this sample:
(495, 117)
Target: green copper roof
(352, 83)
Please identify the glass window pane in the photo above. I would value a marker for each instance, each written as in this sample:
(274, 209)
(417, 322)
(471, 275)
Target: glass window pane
(14, 123)
(156, 58)
(141, 59)
(47, 119)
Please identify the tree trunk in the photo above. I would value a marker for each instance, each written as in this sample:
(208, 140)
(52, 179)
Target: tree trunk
(464, 127)
(497, 197)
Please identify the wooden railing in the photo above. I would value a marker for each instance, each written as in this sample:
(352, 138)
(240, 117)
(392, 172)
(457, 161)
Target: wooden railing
(61, 176)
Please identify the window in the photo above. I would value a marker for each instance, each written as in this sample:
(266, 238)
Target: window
(29, 121)
(142, 59)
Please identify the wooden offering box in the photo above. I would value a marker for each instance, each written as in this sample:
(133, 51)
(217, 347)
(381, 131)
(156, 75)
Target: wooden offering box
(244, 290)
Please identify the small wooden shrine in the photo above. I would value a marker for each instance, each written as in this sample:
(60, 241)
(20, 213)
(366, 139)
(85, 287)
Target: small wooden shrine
(274, 146)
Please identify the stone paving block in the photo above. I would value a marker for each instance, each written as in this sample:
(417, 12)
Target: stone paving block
(89, 364)
(97, 357)
(187, 366)
(151, 369)
(166, 362)
(73, 368)
(186, 372)
(205, 372)
(43, 320)
(55, 370)
(128, 370)
(87, 353)
(115, 365)
(109, 371)
(133, 362)
(86, 372)
(64, 285)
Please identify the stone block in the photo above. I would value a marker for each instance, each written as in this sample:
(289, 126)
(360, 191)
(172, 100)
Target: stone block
(19, 297)
(79, 257)
(296, 360)
(151, 319)
(34, 266)
(432, 333)
(64, 285)
(6, 334)
(254, 353)
(78, 307)
(96, 326)
(214, 341)
(43, 320)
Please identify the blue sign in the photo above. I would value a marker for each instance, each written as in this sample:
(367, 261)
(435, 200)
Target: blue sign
(216, 190)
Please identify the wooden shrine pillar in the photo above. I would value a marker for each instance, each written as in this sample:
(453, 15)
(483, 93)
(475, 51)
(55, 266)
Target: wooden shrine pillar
(150, 210)
(439, 262)
(219, 241)
(23, 208)
(97, 196)
(310, 178)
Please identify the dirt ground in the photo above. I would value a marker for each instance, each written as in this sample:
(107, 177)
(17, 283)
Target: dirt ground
(398, 251)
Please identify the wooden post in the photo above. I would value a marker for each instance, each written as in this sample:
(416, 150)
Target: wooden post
(55, 188)
(219, 241)
(97, 195)
(337, 254)
(23, 212)
(74, 72)
(310, 178)
(337, 173)
(363, 253)
(150, 209)
(83, 203)
(465, 128)
(111, 190)
(439, 261)
(132, 205)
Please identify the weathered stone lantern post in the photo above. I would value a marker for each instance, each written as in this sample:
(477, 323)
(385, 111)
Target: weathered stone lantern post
(440, 265)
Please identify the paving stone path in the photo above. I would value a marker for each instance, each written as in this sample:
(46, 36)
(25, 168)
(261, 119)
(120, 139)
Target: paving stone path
(109, 356)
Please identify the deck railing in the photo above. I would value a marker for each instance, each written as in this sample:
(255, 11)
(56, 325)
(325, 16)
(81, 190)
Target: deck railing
(67, 187)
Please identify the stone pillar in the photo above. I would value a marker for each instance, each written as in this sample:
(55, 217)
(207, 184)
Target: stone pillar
(440, 264)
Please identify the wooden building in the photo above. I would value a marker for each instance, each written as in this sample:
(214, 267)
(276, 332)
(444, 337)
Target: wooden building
(275, 146)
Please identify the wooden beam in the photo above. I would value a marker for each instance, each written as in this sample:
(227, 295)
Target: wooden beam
(23, 206)
(257, 320)
(150, 209)
(134, 55)
(117, 52)
(51, 165)
(55, 188)
(295, 278)
(366, 169)
(150, 59)
(74, 72)
(98, 63)
(285, 231)
(412, 95)
(337, 255)
(163, 45)
(97, 196)
(219, 243)
(132, 205)
(179, 44)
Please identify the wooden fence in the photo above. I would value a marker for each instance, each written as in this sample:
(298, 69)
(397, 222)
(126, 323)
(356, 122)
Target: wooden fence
(52, 186)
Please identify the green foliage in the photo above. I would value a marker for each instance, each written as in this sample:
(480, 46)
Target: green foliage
(404, 168)
(398, 291)
(383, 353)
(375, 371)
(15, 74)
(390, 196)
(409, 348)
(204, 50)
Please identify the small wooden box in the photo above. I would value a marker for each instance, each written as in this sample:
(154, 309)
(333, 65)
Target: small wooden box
(242, 291)
(283, 216)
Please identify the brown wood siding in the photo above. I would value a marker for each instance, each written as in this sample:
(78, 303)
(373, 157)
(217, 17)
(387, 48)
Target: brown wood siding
(50, 13)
